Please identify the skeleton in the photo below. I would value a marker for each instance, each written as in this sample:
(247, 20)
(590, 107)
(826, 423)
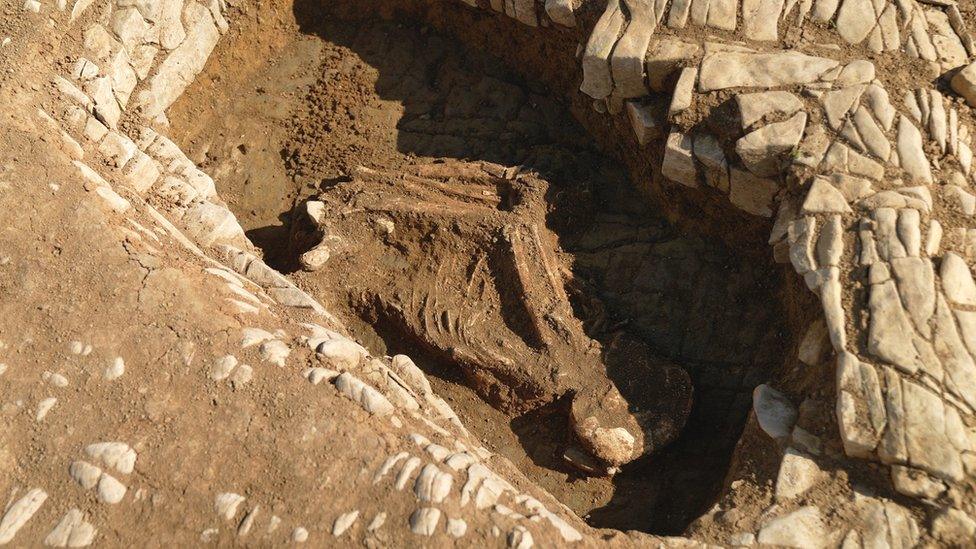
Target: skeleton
(500, 306)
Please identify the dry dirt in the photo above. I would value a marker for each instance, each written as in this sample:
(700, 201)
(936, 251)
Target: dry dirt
(294, 102)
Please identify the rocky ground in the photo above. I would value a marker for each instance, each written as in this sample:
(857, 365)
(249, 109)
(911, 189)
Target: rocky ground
(771, 197)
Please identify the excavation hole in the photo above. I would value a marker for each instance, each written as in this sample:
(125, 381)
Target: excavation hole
(296, 106)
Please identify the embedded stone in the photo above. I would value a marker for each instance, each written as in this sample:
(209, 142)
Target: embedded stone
(753, 107)
(824, 197)
(802, 529)
(730, 69)
(774, 412)
(763, 149)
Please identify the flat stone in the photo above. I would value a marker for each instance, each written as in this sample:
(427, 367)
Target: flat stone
(754, 106)
(813, 345)
(343, 522)
(889, 329)
(964, 83)
(709, 153)
(763, 149)
(879, 102)
(19, 513)
(72, 531)
(925, 437)
(915, 483)
(802, 529)
(561, 12)
(679, 164)
(597, 81)
(116, 455)
(627, 59)
(910, 152)
(760, 19)
(666, 56)
(915, 279)
(960, 369)
(774, 412)
(797, 474)
(725, 69)
(874, 138)
(683, 90)
(824, 197)
(860, 406)
(183, 64)
(855, 20)
(226, 504)
(800, 235)
(957, 280)
(424, 521)
(837, 103)
(830, 300)
(954, 528)
(646, 126)
(341, 353)
(110, 490)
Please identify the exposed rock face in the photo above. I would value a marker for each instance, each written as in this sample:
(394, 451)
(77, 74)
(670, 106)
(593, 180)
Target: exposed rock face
(170, 305)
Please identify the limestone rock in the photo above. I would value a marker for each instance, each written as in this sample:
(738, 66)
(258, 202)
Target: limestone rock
(964, 83)
(823, 197)
(754, 106)
(679, 164)
(726, 69)
(762, 150)
(860, 406)
(774, 412)
(797, 474)
(803, 528)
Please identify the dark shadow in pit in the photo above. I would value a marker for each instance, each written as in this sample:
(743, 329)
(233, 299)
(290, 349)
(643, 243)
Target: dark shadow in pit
(691, 301)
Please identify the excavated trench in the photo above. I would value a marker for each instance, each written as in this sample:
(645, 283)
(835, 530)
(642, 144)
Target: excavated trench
(299, 99)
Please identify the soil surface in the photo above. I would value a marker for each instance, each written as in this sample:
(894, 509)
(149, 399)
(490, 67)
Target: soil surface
(293, 106)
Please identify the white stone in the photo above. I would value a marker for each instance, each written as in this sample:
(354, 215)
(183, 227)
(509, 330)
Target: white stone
(754, 106)
(223, 367)
(813, 345)
(110, 490)
(824, 197)
(964, 83)
(85, 474)
(727, 69)
(456, 527)
(797, 474)
(597, 82)
(19, 513)
(774, 412)
(343, 522)
(957, 280)
(679, 164)
(342, 353)
(115, 369)
(299, 535)
(275, 352)
(424, 521)
(226, 504)
(43, 407)
(116, 455)
(72, 531)
(802, 529)
(763, 149)
(683, 90)
(646, 127)
(910, 152)
(378, 521)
